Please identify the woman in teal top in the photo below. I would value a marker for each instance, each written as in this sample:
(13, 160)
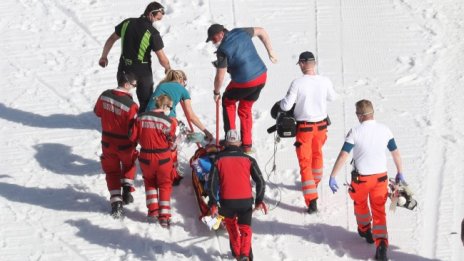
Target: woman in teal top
(173, 85)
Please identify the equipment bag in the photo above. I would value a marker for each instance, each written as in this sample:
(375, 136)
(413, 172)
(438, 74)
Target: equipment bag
(285, 122)
(286, 125)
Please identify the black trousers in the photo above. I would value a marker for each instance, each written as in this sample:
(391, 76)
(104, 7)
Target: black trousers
(144, 81)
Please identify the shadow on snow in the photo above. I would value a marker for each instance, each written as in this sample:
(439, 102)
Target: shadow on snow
(86, 120)
(144, 248)
(59, 159)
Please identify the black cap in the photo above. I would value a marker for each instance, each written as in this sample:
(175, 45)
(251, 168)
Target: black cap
(306, 56)
(214, 29)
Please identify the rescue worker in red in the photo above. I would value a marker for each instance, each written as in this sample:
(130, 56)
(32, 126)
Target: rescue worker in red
(230, 176)
(155, 132)
(237, 55)
(309, 94)
(369, 179)
(117, 112)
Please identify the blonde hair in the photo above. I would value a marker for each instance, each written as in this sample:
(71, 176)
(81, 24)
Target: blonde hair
(364, 107)
(162, 101)
(174, 76)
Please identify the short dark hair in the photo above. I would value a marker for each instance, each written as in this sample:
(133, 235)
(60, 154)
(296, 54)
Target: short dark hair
(152, 7)
(126, 77)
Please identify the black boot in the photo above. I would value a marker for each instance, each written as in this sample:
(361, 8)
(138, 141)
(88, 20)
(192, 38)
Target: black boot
(116, 210)
(312, 208)
(367, 235)
(177, 181)
(381, 252)
(126, 195)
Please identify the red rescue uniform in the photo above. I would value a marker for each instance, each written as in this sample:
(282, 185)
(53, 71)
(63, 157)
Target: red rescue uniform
(155, 132)
(230, 177)
(117, 112)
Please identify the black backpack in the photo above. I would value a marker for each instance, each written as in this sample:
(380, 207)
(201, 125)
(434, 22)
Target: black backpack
(285, 122)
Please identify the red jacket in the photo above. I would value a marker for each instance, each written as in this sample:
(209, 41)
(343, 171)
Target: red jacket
(154, 131)
(117, 111)
(230, 175)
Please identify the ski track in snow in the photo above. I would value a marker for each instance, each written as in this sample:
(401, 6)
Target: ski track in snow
(404, 55)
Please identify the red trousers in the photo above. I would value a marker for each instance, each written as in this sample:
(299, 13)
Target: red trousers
(158, 177)
(245, 94)
(118, 162)
(310, 138)
(374, 189)
(238, 225)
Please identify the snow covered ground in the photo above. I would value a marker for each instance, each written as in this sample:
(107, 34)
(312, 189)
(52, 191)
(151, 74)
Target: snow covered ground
(404, 55)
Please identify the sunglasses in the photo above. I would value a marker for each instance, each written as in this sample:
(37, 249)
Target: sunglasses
(161, 10)
(127, 80)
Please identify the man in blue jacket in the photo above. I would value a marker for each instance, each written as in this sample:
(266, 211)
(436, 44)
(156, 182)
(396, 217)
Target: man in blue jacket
(237, 55)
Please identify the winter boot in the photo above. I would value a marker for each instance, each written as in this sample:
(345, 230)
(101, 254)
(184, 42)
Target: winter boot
(381, 252)
(164, 222)
(177, 180)
(116, 210)
(312, 208)
(126, 195)
(367, 235)
(152, 216)
(243, 258)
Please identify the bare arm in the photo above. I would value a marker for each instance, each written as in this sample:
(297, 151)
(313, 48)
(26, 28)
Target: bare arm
(264, 37)
(397, 159)
(219, 79)
(107, 48)
(194, 118)
(163, 60)
(341, 159)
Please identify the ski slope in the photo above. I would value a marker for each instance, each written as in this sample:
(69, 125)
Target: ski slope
(404, 55)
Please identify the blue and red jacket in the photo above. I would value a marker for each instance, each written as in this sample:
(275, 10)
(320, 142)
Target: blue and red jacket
(243, 61)
(230, 176)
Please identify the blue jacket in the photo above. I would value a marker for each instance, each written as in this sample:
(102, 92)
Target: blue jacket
(243, 61)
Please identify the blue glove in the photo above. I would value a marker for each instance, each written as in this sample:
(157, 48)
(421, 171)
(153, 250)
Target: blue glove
(399, 178)
(333, 184)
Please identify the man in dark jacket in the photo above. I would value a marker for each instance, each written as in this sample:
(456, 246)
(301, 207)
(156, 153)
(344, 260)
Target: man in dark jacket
(138, 38)
(237, 55)
(230, 176)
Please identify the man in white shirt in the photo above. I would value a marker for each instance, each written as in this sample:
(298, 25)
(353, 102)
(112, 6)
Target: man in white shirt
(310, 94)
(369, 179)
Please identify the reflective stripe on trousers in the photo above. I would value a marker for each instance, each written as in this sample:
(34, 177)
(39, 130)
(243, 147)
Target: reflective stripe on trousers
(309, 142)
(376, 192)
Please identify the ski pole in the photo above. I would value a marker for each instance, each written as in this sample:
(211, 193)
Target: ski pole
(217, 122)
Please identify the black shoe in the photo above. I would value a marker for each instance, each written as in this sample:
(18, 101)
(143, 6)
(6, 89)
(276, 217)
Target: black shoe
(177, 181)
(126, 195)
(164, 222)
(312, 208)
(381, 252)
(116, 210)
(243, 258)
(367, 235)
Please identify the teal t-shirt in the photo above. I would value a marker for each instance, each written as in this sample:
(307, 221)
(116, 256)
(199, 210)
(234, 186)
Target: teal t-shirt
(175, 90)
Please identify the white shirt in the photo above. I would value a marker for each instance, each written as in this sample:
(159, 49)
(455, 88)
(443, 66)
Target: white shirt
(310, 93)
(370, 140)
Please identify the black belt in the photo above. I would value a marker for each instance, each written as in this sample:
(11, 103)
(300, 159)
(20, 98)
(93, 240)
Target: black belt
(308, 129)
(154, 150)
(310, 122)
(115, 135)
